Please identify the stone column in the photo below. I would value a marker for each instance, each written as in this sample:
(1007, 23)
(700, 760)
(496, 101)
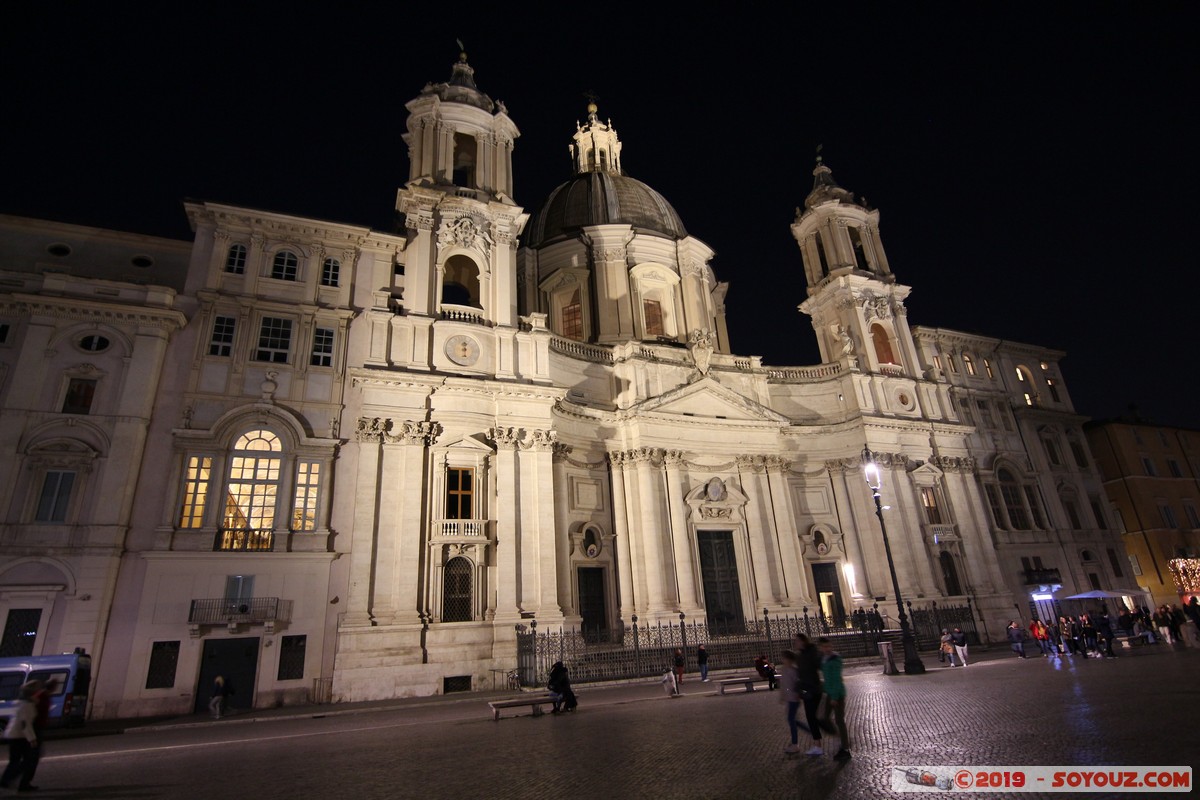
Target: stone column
(625, 581)
(681, 538)
(508, 579)
(650, 537)
(787, 537)
(547, 547)
(763, 554)
(362, 549)
(842, 474)
(562, 550)
(411, 534)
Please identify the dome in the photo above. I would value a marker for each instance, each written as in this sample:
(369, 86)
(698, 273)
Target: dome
(602, 198)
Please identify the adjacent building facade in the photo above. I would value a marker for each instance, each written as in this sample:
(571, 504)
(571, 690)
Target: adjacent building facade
(364, 460)
(1150, 478)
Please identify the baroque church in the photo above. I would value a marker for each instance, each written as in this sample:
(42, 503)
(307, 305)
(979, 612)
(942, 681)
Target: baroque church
(331, 460)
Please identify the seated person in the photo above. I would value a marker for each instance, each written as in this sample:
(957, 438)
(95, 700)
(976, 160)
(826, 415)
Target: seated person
(764, 668)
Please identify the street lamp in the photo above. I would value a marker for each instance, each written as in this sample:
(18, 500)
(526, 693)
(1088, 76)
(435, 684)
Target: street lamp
(912, 659)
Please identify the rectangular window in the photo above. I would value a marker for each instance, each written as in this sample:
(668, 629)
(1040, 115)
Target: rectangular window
(308, 482)
(291, 658)
(1134, 564)
(1005, 416)
(950, 362)
(929, 500)
(937, 362)
(56, 494)
(221, 343)
(1168, 516)
(652, 310)
(1052, 452)
(1053, 389)
(239, 588)
(1173, 466)
(322, 348)
(1073, 515)
(1037, 563)
(80, 393)
(4, 329)
(985, 414)
(1098, 513)
(1094, 579)
(1081, 459)
(572, 320)
(1115, 561)
(274, 340)
(1148, 465)
(195, 491)
(1016, 507)
(460, 489)
(1026, 564)
(994, 503)
(330, 272)
(964, 409)
(235, 259)
(20, 633)
(164, 658)
(284, 267)
(1192, 515)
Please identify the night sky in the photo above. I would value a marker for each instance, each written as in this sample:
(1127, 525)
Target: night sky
(1035, 166)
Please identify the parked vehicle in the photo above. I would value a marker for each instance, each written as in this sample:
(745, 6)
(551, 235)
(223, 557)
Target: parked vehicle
(72, 674)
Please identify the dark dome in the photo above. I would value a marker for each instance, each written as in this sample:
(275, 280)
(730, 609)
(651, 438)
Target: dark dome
(600, 198)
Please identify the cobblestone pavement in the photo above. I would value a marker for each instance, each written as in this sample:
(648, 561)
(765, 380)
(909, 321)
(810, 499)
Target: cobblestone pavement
(634, 742)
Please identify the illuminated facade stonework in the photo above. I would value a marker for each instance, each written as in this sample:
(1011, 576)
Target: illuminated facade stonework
(373, 457)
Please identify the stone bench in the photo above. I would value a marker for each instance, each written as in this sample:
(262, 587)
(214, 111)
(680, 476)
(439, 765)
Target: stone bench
(747, 681)
(534, 701)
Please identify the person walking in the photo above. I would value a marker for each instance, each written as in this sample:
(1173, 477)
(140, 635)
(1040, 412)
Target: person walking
(1016, 637)
(946, 649)
(1104, 629)
(790, 696)
(960, 644)
(702, 663)
(679, 666)
(835, 693)
(808, 682)
(23, 744)
(216, 703)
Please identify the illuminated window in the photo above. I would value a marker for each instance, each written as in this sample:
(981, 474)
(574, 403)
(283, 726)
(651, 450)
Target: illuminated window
(251, 492)
(572, 318)
(1053, 389)
(285, 266)
(460, 491)
(883, 347)
(652, 310)
(195, 491)
(950, 362)
(235, 259)
(274, 340)
(308, 483)
(929, 501)
(987, 367)
(969, 364)
(322, 348)
(221, 343)
(330, 271)
(55, 496)
(80, 393)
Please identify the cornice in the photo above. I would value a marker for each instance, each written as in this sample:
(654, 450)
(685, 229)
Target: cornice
(112, 312)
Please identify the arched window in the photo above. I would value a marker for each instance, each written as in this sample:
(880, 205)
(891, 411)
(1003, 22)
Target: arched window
(465, 154)
(285, 266)
(456, 590)
(1020, 509)
(883, 347)
(821, 257)
(235, 259)
(251, 492)
(856, 244)
(969, 364)
(1026, 387)
(949, 574)
(460, 282)
(1014, 505)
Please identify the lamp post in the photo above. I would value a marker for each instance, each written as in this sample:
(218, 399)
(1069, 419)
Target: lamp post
(912, 659)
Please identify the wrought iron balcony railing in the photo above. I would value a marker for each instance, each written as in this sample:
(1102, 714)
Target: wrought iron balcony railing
(249, 610)
(1042, 577)
(244, 539)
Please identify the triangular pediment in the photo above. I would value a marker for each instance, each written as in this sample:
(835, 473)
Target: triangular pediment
(706, 398)
(471, 442)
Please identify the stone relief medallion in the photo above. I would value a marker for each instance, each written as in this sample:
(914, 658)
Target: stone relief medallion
(462, 350)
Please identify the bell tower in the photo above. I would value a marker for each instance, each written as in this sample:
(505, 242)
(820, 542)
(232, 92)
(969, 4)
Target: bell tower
(462, 222)
(857, 308)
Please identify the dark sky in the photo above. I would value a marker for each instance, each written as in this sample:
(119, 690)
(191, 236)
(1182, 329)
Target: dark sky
(1034, 165)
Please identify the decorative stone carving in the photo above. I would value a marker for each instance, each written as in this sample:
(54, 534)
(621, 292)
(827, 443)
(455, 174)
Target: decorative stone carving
(371, 429)
(822, 541)
(540, 440)
(954, 464)
(613, 254)
(418, 433)
(875, 306)
(701, 344)
(465, 232)
(507, 438)
(674, 458)
(561, 451)
(716, 500)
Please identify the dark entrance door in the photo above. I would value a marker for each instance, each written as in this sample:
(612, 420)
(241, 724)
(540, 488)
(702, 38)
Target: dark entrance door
(829, 592)
(237, 661)
(591, 603)
(718, 570)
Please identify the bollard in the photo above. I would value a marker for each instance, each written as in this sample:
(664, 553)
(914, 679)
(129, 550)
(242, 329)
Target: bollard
(889, 665)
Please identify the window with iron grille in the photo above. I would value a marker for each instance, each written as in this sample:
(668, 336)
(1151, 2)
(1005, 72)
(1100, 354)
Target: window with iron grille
(460, 490)
(291, 658)
(55, 496)
(456, 590)
(330, 271)
(164, 658)
(322, 348)
(235, 259)
(652, 311)
(572, 318)
(80, 393)
(274, 340)
(20, 632)
(221, 343)
(285, 265)
(195, 491)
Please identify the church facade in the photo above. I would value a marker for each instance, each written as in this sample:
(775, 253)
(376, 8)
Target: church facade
(366, 459)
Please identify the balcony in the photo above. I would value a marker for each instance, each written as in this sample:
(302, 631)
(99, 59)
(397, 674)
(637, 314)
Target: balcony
(266, 611)
(940, 533)
(244, 539)
(460, 529)
(1042, 577)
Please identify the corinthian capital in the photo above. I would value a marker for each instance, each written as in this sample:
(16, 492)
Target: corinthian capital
(505, 438)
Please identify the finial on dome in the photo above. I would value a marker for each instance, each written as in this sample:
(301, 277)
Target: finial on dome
(819, 148)
(462, 51)
(592, 108)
